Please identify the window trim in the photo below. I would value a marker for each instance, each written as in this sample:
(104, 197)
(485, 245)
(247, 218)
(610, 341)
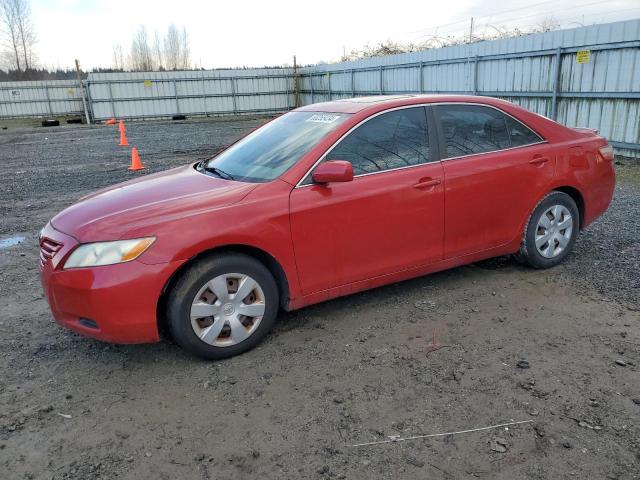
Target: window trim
(434, 144)
(443, 143)
(431, 137)
(509, 129)
(433, 124)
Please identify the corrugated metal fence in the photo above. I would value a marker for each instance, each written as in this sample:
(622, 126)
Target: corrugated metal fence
(212, 92)
(40, 99)
(588, 76)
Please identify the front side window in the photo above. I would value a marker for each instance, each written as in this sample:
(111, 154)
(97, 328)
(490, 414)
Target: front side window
(391, 140)
(272, 149)
(473, 129)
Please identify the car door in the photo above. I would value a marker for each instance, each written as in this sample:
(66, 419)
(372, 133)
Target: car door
(389, 218)
(495, 169)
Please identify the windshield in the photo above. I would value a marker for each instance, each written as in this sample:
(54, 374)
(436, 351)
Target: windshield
(272, 149)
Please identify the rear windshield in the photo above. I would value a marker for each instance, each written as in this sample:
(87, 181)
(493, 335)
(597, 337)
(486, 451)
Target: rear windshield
(272, 149)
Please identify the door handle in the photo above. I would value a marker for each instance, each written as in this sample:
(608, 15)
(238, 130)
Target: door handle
(538, 161)
(427, 184)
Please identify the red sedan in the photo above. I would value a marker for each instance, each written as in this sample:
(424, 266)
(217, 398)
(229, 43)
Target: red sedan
(324, 201)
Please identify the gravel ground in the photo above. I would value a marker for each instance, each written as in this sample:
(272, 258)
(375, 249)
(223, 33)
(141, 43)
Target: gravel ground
(607, 255)
(558, 348)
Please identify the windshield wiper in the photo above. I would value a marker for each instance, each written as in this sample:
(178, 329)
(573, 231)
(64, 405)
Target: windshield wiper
(216, 171)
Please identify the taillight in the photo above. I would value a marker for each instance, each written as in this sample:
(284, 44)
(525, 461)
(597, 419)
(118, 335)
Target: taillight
(607, 152)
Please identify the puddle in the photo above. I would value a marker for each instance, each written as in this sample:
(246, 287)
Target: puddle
(11, 241)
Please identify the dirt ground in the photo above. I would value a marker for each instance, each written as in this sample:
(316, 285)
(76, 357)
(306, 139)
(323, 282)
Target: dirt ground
(559, 348)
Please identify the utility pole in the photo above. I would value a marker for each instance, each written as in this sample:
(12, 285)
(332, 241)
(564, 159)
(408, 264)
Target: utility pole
(296, 86)
(84, 101)
(471, 31)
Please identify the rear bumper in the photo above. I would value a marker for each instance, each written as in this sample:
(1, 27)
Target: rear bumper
(115, 303)
(600, 192)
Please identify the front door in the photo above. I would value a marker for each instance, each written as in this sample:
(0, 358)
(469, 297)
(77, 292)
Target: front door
(389, 218)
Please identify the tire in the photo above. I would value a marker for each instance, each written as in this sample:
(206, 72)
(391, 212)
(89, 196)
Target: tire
(50, 123)
(227, 331)
(556, 239)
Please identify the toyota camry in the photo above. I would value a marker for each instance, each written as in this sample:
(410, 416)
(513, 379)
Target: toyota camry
(323, 201)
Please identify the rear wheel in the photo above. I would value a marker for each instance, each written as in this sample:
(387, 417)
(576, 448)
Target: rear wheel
(551, 231)
(222, 305)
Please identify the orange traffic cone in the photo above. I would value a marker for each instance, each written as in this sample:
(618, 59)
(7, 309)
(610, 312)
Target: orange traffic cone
(121, 127)
(124, 142)
(111, 121)
(136, 164)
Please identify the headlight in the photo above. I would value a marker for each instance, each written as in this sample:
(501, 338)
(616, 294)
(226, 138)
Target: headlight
(107, 253)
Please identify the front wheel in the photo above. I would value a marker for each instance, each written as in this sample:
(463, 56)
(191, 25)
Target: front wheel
(222, 305)
(551, 231)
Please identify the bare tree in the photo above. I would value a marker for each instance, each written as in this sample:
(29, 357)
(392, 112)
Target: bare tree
(25, 29)
(157, 51)
(171, 52)
(118, 57)
(172, 48)
(177, 52)
(11, 34)
(547, 24)
(185, 50)
(141, 58)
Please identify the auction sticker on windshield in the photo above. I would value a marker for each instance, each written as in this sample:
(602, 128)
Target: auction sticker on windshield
(323, 118)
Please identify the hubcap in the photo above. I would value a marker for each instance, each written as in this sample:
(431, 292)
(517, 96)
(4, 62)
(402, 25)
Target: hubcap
(227, 309)
(553, 232)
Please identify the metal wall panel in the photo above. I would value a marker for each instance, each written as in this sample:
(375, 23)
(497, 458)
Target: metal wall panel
(603, 93)
(212, 92)
(40, 99)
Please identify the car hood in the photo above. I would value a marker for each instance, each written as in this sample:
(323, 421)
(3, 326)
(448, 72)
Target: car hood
(158, 198)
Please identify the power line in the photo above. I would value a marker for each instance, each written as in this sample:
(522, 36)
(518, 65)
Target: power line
(566, 22)
(483, 16)
(556, 10)
(546, 13)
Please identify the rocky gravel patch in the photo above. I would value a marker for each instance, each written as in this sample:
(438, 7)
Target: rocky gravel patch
(606, 258)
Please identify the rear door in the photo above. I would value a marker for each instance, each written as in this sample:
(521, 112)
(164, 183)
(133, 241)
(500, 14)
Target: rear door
(495, 168)
(389, 218)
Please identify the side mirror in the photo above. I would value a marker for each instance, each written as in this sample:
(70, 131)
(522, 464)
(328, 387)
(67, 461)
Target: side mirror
(333, 171)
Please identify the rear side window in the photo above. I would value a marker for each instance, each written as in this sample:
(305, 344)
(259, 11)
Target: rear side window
(472, 129)
(521, 135)
(391, 140)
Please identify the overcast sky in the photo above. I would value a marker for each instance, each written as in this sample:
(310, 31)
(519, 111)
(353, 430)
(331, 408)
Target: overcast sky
(234, 33)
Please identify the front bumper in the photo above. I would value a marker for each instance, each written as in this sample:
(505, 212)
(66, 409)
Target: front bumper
(114, 303)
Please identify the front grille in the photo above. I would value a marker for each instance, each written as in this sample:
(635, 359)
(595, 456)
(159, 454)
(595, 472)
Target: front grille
(48, 248)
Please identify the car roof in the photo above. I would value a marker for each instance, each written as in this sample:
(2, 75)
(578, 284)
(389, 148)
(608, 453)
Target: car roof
(384, 102)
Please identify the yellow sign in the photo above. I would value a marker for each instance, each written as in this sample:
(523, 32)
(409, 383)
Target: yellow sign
(71, 92)
(583, 56)
(147, 83)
